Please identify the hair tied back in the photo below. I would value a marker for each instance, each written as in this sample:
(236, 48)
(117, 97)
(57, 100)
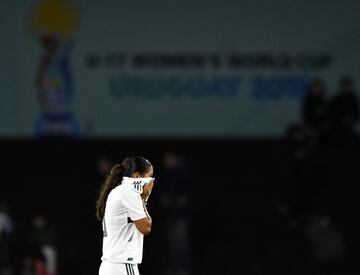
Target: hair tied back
(116, 169)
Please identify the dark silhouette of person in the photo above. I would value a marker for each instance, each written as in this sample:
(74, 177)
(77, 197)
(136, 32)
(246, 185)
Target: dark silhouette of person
(175, 200)
(344, 108)
(42, 252)
(344, 114)
(314, 108)
(6, 235)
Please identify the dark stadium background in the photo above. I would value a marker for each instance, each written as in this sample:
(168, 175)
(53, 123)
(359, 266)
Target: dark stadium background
(235, 219)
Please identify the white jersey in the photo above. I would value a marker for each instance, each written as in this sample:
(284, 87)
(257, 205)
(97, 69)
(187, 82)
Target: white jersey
(122, 241)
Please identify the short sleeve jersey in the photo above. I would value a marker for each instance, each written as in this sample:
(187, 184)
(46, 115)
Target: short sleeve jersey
(122, 241)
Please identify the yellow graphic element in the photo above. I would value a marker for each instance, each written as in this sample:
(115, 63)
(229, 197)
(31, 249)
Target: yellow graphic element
(54, 83)
(55, 17)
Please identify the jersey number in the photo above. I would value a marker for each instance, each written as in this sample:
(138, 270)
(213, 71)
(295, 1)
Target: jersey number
(104, 228)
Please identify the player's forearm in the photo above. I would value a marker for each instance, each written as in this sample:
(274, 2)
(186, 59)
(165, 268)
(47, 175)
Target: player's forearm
(146, 212)
(147, 216)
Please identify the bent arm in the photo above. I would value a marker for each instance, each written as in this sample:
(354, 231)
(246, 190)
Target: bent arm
(144, 224)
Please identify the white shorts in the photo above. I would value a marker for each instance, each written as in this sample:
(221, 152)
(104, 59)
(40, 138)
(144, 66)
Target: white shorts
(107, 268)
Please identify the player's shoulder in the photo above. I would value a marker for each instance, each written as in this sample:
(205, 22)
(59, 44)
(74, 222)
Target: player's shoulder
(116, 192)
(124, 190)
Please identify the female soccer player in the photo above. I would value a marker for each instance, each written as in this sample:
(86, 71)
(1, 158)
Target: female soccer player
(121, 207)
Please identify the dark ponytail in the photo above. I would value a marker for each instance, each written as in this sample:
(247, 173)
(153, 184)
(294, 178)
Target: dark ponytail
(129, 166)
(110, 183)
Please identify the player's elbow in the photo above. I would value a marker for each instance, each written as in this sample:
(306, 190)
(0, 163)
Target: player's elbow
(147, 231)
(144, 226)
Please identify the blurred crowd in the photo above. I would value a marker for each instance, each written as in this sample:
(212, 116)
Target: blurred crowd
(26, 249)
(323, 155)
(326, 120)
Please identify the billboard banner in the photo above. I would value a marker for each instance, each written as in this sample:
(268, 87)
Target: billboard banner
(194, 69)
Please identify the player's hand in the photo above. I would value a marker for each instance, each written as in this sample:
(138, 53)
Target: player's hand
(147, 188)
